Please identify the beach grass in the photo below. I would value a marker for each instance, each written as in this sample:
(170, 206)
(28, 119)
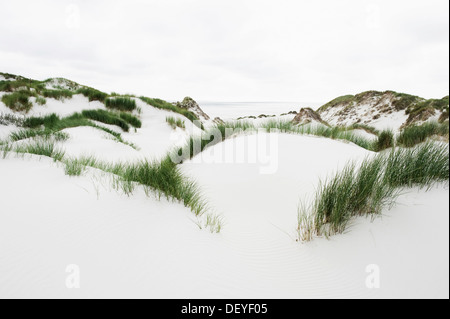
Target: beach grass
(336, 132)
(53, 123)
(130, 119)
(43, 147)
(18, 101)
(40, 100)
(415, 134)
(125, 104)
(73, 167)
(92, 94)
(11, 119)
(365, 127)
(57, 94)
(31, 133)
(365, 189)
(385, 140)
(163, 178)
(106, 118)
(421, 166)
(174, 123)
(164, 105)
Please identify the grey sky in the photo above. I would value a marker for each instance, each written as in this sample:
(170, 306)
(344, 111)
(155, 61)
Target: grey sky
(245, 50)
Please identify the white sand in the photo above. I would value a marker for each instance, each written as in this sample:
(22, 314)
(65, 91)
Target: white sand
(140, 247)
(86, 141)
(77, 103)
(5, 131)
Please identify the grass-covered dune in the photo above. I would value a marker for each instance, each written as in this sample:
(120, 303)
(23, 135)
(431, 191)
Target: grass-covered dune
(53, 124)
(18, 92)
(411, 104)
(374, 107)
(154, 204)
(163, 105)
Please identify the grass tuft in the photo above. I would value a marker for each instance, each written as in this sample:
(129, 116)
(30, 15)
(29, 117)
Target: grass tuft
(421, 166)
(121, 104)
(415, 134)
(73, 167)
(30, 133)
(18, 101)
(365, 190)
(385, 140)
(107, 118)
(174, 123)
(11, 119)
(92, 94)
(41, 101)
(43, 147)
(130, 119)
(57, 94)
(163, 105)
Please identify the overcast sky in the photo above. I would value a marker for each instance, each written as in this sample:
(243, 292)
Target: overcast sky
(245, 50)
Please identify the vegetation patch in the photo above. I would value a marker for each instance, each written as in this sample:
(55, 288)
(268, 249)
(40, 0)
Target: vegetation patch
(337, 133)
(43, 147)
(341, 100)
(369, 129)
(174, 123)
(30, 133)
(8, 76)
(53, 123)
(437, 104)
(130, 119)
(367, 189)
(415, 134)
(62, 84)
(121, 103)
(57, 94)
(107, 118)
(385, 140)
(41, 101)
(22, 84)
(163, 105)
(73, 167)
(404, 101)
(422, 166)
(11, 119)
(92, 94)
(18, 101)
(218, 133)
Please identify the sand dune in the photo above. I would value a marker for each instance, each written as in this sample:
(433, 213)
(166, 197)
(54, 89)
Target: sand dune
(140, 247)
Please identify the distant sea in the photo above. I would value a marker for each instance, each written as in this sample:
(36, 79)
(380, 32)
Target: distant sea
(232, 110)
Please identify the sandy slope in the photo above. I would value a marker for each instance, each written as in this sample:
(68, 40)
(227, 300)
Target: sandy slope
(365, 113)
(140, 247)
(153, 140)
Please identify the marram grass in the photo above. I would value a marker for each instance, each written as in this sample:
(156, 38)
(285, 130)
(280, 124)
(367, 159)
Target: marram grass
(366, 189)
(163, 179)
(385, 140)
(51, 124)
(121, 103)
(415, 134)
(174, 123)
